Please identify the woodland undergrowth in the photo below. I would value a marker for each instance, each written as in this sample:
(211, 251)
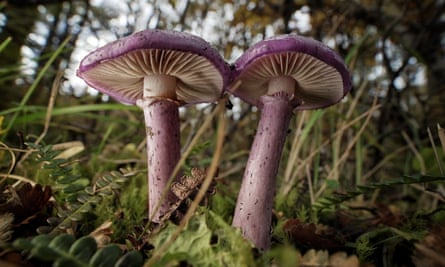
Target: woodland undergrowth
(73, 189)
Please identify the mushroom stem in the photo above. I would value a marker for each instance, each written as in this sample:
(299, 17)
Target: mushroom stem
(160, 85)
(253, 211)
(163, 150)
(284, 84)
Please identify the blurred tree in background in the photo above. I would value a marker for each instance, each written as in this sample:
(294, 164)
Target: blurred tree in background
(395, 50)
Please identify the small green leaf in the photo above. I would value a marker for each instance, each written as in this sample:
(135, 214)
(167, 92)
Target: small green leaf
(102, 183)
(106, 256)
(68, 179)
(72, 188)
(332, 184)
(71, 198)
(94, 199)
(115, 186)
(108, 178)
(84, 248)
(106, 192)
(44, 253)
(22, 244)
(62, 242)
(53, 220)
(65, 224)
(76, 217)
(62, 213)
(41, 240)
(130, 259)
(83, 197)
(89, 190)
(44, 229)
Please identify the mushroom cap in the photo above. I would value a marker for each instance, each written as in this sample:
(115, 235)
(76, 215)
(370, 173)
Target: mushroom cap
(118, 68)
(321, 76)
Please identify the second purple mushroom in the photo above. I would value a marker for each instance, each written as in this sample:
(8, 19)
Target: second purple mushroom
(280, 75)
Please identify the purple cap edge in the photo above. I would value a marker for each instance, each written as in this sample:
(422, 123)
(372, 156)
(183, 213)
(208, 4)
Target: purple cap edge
(153, 39)
(296, 43)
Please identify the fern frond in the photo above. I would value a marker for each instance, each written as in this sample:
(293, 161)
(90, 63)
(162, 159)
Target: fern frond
(64, 250)
(61, 170)
(79, 196)
(338, 198)
(87, 199)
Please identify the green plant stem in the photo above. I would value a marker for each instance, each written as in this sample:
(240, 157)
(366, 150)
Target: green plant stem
(33, 86)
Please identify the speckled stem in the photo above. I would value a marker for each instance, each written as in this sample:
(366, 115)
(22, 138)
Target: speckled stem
(253, 212)
(163, 149)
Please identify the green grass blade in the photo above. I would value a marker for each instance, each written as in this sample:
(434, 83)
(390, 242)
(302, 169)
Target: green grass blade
(5, 43)
(33, 86)
(39, 112)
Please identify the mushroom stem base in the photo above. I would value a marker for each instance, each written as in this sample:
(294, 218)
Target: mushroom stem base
(253, 211)
(163, 150)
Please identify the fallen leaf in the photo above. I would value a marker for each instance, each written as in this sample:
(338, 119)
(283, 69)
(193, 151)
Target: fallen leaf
(26, 202)
(6, 220)
(431, 250)
(341, 259)
(185, 189)
(310, 235)
(102, 234)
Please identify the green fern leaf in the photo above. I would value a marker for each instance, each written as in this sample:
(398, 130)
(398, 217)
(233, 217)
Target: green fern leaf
(64, 251)
(66, 179)
(106, 257)
(130, 259)
(83, 248)
(336, 199)
(62, 242)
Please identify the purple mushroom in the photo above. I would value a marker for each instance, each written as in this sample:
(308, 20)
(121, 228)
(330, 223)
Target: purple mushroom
(279, 75)
(159, 71)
